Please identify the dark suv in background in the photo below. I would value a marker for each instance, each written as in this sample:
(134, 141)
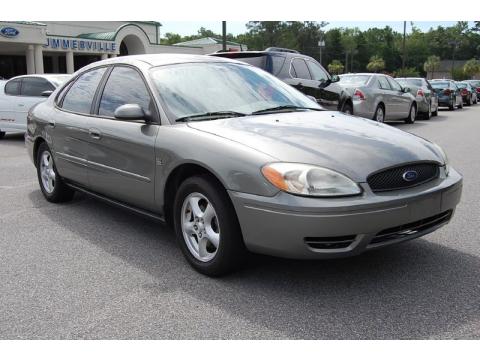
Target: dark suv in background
(302, 72)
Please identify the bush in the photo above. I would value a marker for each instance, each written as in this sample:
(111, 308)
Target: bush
(407, 72)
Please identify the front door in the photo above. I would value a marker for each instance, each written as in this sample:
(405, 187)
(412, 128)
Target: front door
(121, 153)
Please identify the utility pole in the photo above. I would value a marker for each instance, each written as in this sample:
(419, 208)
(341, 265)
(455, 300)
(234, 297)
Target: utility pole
(224, 36)
(321, 44)
(403, 46)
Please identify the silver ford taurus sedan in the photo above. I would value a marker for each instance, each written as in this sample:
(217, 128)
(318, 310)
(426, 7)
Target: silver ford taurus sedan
(236, 161)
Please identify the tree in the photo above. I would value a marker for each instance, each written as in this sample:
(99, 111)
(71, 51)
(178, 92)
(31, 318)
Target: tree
(349, 43)
(471, 68)
(376, 64)
(407, 72)
(335, 67)
(432, 63)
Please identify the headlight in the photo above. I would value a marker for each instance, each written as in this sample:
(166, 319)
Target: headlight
(444, 157)
(309, 180)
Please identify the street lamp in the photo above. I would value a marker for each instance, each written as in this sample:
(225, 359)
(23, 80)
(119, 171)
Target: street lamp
(321, 44)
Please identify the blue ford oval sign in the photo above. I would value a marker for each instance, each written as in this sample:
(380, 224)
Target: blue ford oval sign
(9, 32)
(410, 175)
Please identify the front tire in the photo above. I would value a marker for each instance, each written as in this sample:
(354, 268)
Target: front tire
(207, 228)
(411, 115)
(51, 184)
(429, 113)
(2, 134)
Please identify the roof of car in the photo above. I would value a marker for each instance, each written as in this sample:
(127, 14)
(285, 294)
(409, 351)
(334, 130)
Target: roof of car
(163, 59)
(45, 76)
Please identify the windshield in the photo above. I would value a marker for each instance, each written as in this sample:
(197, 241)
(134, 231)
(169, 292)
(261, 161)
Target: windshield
(198, 88)
(439, 84)
(406, 82)
(354, 79)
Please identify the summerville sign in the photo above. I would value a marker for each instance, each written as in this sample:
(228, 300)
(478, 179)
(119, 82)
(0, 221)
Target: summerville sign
(80, 44)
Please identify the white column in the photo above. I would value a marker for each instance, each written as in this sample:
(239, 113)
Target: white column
(70, 66)
(30, 59)
(55, 64)
(104, 56)
(38, 59)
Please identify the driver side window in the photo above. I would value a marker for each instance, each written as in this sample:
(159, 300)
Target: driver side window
(395, 85)
(124, 86)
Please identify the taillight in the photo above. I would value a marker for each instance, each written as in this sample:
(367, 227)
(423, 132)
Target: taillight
(358, 95)
(420, 92)
(447, 92)
(464, 92)
(478, 89)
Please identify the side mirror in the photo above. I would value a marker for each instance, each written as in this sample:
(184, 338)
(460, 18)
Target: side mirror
(406, 89)
(335, 78)
(129, 112)
(47, 93)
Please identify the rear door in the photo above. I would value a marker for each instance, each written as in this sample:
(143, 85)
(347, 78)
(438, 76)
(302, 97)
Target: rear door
(121, 154)
(69, 124)
(391, 106)
(402, 100)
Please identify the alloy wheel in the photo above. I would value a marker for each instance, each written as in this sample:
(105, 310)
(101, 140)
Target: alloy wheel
(380, 114)
(47, 172)
(200, 227)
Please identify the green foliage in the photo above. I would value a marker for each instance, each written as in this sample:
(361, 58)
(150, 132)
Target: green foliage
(432, 64)
(335, 67)
(471, 67)
(354, 47)
(458, 74)
(376, 64)
(407, 72)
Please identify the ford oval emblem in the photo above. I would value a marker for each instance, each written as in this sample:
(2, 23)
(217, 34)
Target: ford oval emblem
(9, 32)
(410, 175)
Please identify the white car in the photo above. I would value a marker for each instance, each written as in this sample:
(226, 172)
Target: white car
(19, 94)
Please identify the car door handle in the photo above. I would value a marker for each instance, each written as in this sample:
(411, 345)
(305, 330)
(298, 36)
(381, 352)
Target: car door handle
(95, 133)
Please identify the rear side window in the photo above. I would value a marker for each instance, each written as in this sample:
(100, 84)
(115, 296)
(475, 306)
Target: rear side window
(13, 87)
(383, 82)
(301, 69)
(124, 86)
(35, 87)
(80, 96)
(317, 72)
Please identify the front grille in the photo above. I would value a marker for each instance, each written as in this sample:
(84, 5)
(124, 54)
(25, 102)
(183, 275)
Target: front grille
(394, 178)
(331, 242)
(402, 231)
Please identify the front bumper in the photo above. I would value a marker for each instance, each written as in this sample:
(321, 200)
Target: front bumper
(307, 228)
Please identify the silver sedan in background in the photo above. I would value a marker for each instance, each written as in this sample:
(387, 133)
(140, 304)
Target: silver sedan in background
(425, 95)
(379, 97)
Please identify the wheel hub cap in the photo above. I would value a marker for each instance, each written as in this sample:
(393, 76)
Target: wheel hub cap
(200, 227)
(47, 172)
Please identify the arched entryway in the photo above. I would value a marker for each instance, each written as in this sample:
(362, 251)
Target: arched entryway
(132, 45)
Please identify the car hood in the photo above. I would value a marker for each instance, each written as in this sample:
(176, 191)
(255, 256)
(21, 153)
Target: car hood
(351, 145)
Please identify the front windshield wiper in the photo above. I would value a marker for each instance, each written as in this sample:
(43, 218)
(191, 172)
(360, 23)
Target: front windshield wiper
(211, 115)
(284, 107)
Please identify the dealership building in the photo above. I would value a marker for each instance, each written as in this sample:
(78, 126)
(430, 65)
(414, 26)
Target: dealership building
(66, 46)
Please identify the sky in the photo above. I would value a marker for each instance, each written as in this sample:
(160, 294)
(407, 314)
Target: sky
(237, 27)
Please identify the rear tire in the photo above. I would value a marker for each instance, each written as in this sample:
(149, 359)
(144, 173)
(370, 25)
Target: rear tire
(2, 134)
(411, 115)
(193, 227)
(461, 105)
(451, 107)
(469, 102)
(51, 184)
(379, 115)
(347, 109)
(428, 114)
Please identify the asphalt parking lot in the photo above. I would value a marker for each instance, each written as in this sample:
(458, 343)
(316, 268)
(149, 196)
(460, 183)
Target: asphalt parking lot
(86, 270)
